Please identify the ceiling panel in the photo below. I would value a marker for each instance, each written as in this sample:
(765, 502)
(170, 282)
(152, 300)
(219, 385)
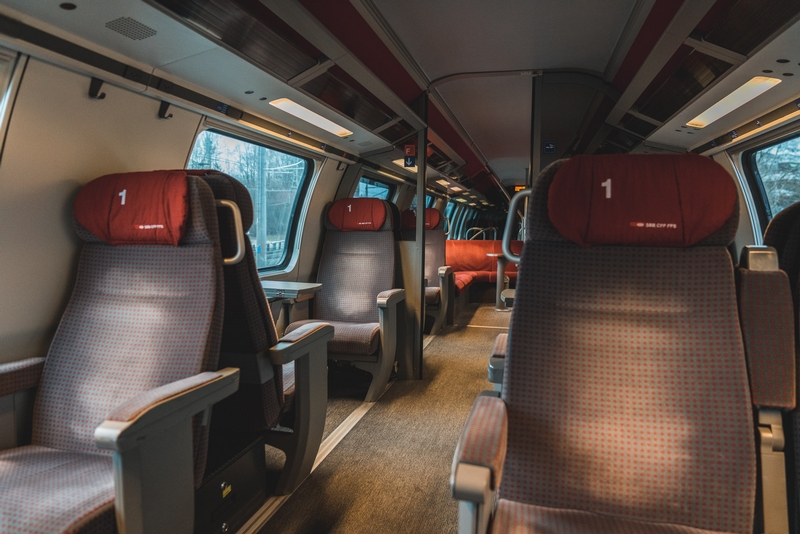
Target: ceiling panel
(450, 36)
(496, 113)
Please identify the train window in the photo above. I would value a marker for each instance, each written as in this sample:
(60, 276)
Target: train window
(276, 181)
(429, 200)
(775, 169)
(371, 188)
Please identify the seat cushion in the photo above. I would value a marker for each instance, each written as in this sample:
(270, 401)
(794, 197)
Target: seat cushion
(463, 280)
(50, 490)
(349, 338)
(432, 295)
(522, 518)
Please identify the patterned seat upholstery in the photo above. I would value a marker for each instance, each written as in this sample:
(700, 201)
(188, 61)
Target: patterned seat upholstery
(438, 283)
(145, 312)
(625, 386)
(356, 269)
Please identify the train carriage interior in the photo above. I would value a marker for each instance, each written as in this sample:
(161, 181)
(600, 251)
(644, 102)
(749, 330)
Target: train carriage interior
(375, 266)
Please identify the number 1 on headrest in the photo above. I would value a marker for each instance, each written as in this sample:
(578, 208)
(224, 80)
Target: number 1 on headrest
(123, 193)
(606, 184)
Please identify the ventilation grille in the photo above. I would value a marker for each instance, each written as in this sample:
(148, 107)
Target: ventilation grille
(131, 28)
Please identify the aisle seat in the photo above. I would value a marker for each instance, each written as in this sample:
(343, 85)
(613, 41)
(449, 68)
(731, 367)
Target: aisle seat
(271, 367)
(470, 262)
(358, 298)
(114, 442)
(626, 403)
(439, 293)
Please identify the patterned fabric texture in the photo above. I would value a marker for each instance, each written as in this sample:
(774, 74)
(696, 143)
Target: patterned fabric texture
(767, 316)
(19, 375)
(483, 441)
(541, 229)
(135, 406)
(353, 269)
(248, 326)
(500, 346)
(363, 339)
(521, 518)
(626, 386)
(81, 486)
(139, 317)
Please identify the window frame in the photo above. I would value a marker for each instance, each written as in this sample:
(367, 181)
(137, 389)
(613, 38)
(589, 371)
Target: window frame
(756, 184)
(393, 187)
(303, 194)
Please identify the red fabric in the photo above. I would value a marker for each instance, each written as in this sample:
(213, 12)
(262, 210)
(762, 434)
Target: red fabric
(350, 214)
(472, 256)
(432, 218)
(640, 200)
(464, 279)
(137, 208)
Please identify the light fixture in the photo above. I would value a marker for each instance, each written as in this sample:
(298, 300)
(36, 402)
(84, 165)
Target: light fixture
(293, 108)
(738, 98)
(443, 183)
(459, 200)
(472, 204)
(455, 189)
(399, 163)
(472, 196)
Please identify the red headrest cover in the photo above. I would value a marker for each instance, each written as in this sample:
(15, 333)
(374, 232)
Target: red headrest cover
(432, 218)
(137, 208)
(644, 200)
(349, 214)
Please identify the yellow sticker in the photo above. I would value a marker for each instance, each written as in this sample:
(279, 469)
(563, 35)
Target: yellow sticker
(226, 491)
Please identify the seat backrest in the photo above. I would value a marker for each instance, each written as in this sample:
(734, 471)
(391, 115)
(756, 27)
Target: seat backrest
(783, 233)
(146, 308)
(248, 327)
(434, 240)
(625, 378)
(357, 259)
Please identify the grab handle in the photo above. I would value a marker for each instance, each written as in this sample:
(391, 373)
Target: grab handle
(239, 227)
(512, 214)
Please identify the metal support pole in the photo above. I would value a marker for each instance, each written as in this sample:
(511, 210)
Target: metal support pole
(419, 263)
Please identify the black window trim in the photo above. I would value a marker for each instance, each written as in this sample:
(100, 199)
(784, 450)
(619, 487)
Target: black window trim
(311, 166)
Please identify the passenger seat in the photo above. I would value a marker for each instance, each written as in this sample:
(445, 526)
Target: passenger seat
(358, 298)
(626, 405)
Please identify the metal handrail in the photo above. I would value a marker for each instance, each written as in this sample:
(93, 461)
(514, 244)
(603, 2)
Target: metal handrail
(512, 212)
(482, 231)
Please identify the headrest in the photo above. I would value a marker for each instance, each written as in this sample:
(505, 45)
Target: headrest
(640, 200)
(136, 208)
(432, 218)
(359, 214)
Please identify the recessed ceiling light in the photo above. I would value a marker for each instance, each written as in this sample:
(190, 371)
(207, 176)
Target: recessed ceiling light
(443, 183)
(310, 117)
(400, 163)
(455, 189)
(736, 99)
(472, 204)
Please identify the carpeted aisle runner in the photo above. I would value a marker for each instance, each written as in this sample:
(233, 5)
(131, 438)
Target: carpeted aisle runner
(391, 473)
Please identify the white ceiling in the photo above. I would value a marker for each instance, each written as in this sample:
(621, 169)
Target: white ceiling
(451, 36)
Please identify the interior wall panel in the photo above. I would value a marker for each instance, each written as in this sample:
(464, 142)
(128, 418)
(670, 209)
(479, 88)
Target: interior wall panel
(58, 139)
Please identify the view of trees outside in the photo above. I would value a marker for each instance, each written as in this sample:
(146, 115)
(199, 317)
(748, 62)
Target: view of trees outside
(273, 178)
(779, 167)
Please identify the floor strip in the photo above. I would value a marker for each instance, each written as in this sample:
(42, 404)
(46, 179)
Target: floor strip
(273, 504)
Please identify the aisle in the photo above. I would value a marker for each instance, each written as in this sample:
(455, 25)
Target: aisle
(391, 472)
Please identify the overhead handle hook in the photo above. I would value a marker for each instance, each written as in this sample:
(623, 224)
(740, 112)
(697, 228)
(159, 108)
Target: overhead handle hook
(162, 111)
(94, 89)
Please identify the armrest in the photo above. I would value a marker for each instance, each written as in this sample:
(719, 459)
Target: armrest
(445, 270)
(391, 297)
(20, 375)
(297, 343)
(158, 409)
(482, 444)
